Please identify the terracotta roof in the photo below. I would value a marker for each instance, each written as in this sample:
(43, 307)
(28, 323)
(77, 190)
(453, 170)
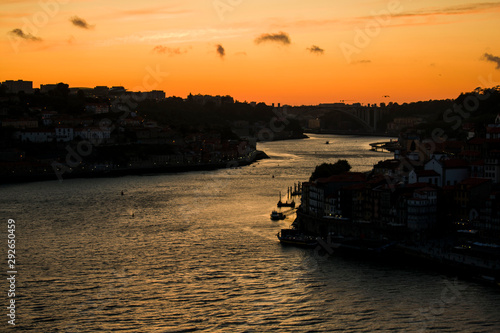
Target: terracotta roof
(344, 177)
(477, 162)
(40, 130)
(426, 173)
(388, 164)
(454, 144)
(471, 182)
(376, 179)
(420, 186)
(425, 189)
(470, 153)
(359, 186)
(492, 129)
(476, 141)
(455, 163)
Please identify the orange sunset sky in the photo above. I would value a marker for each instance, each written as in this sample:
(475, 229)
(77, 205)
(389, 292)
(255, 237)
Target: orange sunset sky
(274, 51)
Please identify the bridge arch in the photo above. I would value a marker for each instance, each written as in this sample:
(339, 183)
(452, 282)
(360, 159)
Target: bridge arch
(354, 113)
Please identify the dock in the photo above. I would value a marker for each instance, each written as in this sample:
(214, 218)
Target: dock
(385, 145)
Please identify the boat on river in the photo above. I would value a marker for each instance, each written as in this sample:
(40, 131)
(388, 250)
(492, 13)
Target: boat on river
(287, 203)
(297, 238)
(276, 216)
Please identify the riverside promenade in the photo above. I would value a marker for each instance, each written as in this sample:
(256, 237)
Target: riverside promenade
(444, 253)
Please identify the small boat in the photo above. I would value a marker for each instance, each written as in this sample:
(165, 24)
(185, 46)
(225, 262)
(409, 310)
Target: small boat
(297, 189)
(276, 216)
(286, 204)
(296, 237)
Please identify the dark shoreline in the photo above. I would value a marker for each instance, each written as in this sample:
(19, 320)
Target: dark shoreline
(333, 132)
(50, 176)
(436, 254)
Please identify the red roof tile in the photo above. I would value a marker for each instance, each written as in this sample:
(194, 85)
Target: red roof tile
(455, 163)
(344, 177)
(471, 182)
(470, 153)
(426, 173)
(492, 129)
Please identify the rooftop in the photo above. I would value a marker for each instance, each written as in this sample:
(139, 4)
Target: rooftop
(344, 177)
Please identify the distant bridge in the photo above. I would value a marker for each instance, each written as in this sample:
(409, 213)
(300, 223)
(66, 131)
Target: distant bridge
(365, 116)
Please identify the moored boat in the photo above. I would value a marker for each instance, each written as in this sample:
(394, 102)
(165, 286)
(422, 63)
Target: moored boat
(287, 203)
(275, 216)
(296, 237)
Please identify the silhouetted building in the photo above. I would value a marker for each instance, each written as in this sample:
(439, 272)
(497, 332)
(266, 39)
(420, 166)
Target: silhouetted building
(156, 95)
(45, 88)
(14, 87)
(101, 91)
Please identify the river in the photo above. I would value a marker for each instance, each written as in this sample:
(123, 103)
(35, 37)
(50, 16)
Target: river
(197, 252)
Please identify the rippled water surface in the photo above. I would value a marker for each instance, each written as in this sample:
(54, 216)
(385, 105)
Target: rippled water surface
(197, 252)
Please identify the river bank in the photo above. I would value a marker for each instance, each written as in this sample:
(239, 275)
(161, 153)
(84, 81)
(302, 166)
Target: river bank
(349, 132)
(52, 173)
(200, 247)
(367, 240)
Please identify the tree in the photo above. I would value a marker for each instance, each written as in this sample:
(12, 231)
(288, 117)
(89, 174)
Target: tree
(3, 90)
(326, 170)
(62, 89)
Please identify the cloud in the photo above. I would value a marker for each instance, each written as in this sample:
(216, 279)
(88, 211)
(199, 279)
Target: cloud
(81, 23)
(463, 9)
(171, 51)
(316, 49)
(492, 58)
(280, 37)
(220, 51)
(157, 11)
(363, 61)
(19, 33)
(176, 36)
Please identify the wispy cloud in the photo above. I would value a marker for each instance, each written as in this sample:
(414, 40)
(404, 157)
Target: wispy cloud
(316, 50)
(171, 51)
(148, 13)
(81, 23)
(463, 9)
(154, 11)
(176, 36)
(13, 15)
(21, 34)
(280, 37)
(6, 2)
(220, 51)
(492, 58)
(406, 18)
(363, 61)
